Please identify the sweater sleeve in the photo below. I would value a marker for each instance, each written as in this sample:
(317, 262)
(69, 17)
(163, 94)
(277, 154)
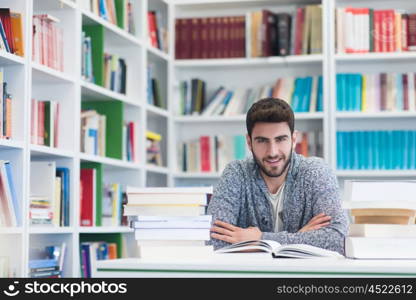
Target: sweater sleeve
(226, 200)
(323, 186)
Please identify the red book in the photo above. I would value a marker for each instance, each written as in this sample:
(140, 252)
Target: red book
(87, 197)
(178, 28)
(411, 31)
(6, 21)
(151, 21)
(186, 45)
(405, 21)
(300, 15)
(241, 50)
(204, 37)
(132, 139)
(390, 28)
(377, 31)
(383, 91)
(205, 154)
(211, 37)
(405, 83)
(218, 37)
(196, 51)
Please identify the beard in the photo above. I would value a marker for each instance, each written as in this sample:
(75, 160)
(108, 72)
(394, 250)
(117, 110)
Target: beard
(273, 171)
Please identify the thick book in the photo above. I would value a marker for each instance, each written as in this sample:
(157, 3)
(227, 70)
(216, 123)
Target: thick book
(382, 230)
(380, 248)
(279, 251)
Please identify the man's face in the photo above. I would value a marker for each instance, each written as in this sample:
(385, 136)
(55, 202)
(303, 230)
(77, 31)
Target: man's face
(272, 146)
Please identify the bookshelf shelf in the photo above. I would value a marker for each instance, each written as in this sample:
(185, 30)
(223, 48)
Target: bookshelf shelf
(114, 34)
(43, 74)
(156, 111)
(157, 52)
(376, 56)
(110, 162)
(157, 169)
(249, 62)
(93, 92)
(197, 175)
(376, 115)
(104, 229)
(10, 59)
(55, 4)
(39, 150)
(51, 230)
(5, 143)
(377, 173)
(11, 230)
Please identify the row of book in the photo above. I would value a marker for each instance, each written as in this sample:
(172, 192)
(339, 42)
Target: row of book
(6, 109)
(153, 89)
(48, 42)
(376, 92)
(376, 150)
(115, 73)
(93, 132)
(157, 32)
(363, 30)
(257, 34)
(11, 32)
(44, 121)
(86, 62)
(10, 209)
(101, 204)
(304, 94)
(93, 251)
(130, 146)
(117, 12)
(310, 143)
(210, 153)
(49, 261)
(49, 194)
(383, 219)
(170, 222)
(153, 149)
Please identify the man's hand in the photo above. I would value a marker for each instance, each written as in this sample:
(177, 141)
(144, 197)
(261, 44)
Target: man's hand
(233, 234)
(316, 222)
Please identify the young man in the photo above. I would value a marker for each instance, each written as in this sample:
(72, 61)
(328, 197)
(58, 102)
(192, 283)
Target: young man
(277, 194)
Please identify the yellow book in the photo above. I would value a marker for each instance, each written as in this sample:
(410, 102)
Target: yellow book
(153, 136)
(364, 103)
(16, 22)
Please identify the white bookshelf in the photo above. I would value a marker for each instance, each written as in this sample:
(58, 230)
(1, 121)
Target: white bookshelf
(27, 80)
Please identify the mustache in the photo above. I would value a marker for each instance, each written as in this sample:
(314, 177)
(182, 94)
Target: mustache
(273, 158)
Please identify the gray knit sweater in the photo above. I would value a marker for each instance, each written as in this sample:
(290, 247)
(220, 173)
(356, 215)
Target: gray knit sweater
(240, 198)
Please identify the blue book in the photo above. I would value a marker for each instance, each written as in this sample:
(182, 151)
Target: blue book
(356, 150)
(86, 261)
(368, 160)
(15, 200)
(406, 145)
(319, 102)
(375, 150)
(412, 150)
(296, 94)
(42, 263)
(65, 194)
(340, 147)
(362, 147)
(307, 94)
(396, 153)
(390, 150)
(3, 36)
(348, 94)
(340, 94)
(347, 152)
(358, 91)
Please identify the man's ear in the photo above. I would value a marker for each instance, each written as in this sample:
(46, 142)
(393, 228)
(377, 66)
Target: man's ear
(248, 139)
(294, 138)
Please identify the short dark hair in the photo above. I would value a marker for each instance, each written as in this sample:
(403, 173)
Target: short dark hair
(271, 110)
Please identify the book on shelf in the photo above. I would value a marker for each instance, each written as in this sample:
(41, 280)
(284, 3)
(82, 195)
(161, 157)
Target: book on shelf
(154, 96)
(95, 247)
(112, 205)
(105, 135)
(117, 12)
(45, 115)
(157, 32)
(153, 148)
(115, 73)
(86, 64)
(47, 262)
(376, 150)
(366, 30)
(48, 42)
(211, 153)
(91, 183)
(259, 33)
(130, 142)
(49, 194)
(10, 208)
(394, 92)
(304, 94)
(11, 32)
(280, 251)
(6, 109)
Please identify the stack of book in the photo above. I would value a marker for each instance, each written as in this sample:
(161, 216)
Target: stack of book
(383, 219)
(11, 32)
(376, 150)
(49, 194)
(170, 222)
(48, 44)
(304, 94)
(51, 263)
(363, 30)
(45, 123)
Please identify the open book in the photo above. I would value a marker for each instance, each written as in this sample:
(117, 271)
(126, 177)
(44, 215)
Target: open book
(277, 250)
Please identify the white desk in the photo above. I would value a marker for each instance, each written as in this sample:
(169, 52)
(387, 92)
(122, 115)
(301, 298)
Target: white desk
(253, 265)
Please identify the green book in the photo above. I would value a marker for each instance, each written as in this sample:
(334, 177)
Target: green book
(113, 110)
(371, 30)
(96, 33)
(47, 123)
(120, 6)
(99, 189)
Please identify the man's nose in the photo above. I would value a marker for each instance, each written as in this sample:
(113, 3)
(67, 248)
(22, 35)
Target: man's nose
(273, 149)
